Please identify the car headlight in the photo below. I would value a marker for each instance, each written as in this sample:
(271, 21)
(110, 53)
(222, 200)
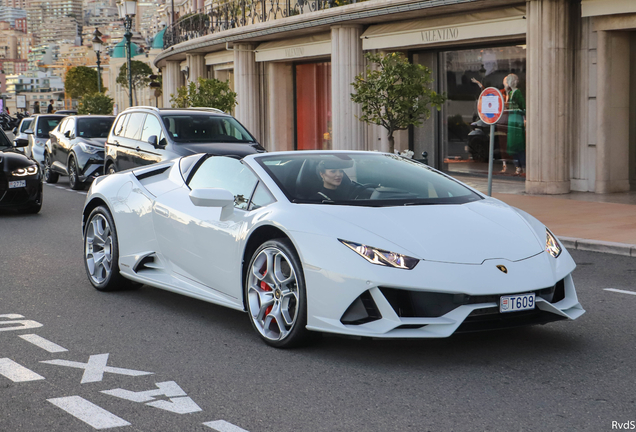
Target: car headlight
(551, 245)
(382, 257)
(86, 148)
(27, 171)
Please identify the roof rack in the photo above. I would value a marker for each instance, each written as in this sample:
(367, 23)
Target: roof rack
(143, 106)
(209, 109)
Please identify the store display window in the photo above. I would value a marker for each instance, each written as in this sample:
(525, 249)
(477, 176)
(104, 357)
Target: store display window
(313, 106)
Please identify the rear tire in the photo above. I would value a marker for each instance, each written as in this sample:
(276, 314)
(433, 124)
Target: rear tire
(101, 252)
(110, 169)
(275, 295)
(49, 175)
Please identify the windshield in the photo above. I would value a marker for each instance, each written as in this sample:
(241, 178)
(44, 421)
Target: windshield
(4, 141)
(96, 127)
(25, 124)
(46, 125)
(204, 128)
(365, 179)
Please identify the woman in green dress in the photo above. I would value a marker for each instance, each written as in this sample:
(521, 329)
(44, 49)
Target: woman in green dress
(516, 106)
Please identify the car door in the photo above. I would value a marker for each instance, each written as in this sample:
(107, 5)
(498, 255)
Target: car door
(55, 136)
(128, 141)
(65, 142)
(200, 244)
(149, 153)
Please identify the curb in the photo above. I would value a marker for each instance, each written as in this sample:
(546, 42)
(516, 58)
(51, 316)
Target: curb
(599, 246)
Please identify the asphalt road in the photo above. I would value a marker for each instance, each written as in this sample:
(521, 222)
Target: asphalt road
(567, 376)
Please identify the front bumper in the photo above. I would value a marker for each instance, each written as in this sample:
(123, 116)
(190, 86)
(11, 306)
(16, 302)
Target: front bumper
(356, 298)
(20, 197)
(90, 167)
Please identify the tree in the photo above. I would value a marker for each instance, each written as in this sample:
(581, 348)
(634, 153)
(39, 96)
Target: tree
(97, 103)
(395, 94)
(80, 81)
(140, 76)
(205, 93)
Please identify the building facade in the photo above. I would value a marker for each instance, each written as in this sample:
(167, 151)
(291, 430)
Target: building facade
(567, 69)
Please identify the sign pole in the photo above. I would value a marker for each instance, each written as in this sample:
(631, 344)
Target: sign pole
(490, 107)
(491, 156)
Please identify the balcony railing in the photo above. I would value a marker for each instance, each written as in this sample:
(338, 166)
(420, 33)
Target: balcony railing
(224, 15)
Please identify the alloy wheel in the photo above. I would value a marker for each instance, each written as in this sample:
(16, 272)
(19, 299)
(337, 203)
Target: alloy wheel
(72, 172)
(98, 249)
(273, 294)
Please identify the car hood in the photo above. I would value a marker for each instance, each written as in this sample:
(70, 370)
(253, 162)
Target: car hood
(12, 159)
(219, 149)
(467, 233)
(97, 142)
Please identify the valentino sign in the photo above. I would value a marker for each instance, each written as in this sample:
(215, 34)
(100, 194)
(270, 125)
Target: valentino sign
(442, 34)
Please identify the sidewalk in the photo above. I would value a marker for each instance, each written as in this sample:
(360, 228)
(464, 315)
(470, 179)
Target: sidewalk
(581, 220)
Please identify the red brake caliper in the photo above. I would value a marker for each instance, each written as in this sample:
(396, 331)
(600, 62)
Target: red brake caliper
(266, 287)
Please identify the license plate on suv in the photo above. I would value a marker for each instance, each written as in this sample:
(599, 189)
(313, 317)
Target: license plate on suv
(17, 184)
(517, 302)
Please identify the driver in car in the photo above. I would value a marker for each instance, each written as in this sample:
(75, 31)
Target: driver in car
(336, 186)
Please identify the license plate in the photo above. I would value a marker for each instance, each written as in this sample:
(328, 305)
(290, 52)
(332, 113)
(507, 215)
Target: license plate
(17, 184)
(518, 302)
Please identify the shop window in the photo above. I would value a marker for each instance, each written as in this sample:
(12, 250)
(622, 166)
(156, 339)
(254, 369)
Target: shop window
(465, 140)
(313, 106)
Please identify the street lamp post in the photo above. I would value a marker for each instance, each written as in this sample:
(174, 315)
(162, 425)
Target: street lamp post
(127, 10)
(97, 47)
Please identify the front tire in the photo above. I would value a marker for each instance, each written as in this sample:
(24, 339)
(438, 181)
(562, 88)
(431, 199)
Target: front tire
(276, 295)
(101, 252)
(73, 178)
(49, 175)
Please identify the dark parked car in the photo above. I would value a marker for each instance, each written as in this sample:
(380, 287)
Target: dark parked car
(76, 149)
(20, 179)
(145, 135)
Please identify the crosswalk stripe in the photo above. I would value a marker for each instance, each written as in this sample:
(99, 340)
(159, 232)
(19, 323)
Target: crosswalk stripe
(43, 343)
(88, 412)
(16, 372)
(223, 426)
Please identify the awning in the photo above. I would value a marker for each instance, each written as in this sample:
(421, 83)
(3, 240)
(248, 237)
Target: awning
(591, 8)
(500, 23)
(287, 49)
(219, 57)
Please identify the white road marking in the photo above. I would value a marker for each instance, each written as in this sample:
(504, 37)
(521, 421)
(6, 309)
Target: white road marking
(16, 372)
(179, 405)
(45, 344)
(168, 389)
(95, 367)
(223, 426)
(60, 187)
(21, 324)
(88, 412)
(620, 291)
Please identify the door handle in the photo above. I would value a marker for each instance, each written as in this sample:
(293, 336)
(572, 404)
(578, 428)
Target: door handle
(162, 211)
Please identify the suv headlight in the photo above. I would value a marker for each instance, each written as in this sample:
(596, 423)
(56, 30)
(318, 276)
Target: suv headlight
(551, 244)
(382, 257)
(87, 148)
(27, 171)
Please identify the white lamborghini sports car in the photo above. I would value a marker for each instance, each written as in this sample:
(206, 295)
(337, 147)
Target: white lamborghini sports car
(355, 243)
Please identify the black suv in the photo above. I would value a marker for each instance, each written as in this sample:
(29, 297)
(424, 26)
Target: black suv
(145, 135)
(76, 149)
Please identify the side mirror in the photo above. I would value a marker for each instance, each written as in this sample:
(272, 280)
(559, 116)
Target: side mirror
(152, 140)
(67, 134)
(213, 197)
(21, 142)
(29, 131)
(15, 131)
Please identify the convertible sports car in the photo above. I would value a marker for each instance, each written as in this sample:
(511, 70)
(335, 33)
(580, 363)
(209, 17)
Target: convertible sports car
(355, 243)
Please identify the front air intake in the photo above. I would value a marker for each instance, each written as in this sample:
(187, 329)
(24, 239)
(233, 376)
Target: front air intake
(361, 311)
